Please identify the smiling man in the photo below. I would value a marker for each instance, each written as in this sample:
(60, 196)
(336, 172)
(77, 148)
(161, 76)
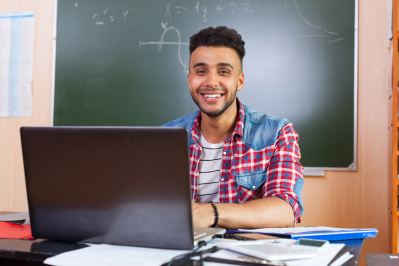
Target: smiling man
(244, 165)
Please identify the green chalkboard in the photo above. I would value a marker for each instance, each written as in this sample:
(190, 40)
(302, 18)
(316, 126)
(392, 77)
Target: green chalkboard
(124, 62)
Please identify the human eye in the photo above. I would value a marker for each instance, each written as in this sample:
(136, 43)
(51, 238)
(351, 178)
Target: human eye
(224, 71)
(200, 71)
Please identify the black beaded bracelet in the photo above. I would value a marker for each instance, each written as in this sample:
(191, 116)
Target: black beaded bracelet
(216, 213)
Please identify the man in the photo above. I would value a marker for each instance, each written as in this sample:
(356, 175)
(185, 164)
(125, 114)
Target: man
(244, 165)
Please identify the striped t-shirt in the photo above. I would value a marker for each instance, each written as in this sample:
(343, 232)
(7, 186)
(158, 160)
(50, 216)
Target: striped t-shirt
(209, 168)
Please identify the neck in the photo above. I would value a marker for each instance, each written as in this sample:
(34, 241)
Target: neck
(217, 129)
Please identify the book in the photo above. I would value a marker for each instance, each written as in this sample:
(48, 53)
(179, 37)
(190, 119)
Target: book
(9, 230)
(317, 232)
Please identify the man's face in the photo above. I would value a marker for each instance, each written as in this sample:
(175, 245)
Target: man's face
(214, 78)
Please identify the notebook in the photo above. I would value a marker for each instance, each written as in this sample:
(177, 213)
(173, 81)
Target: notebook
(113, 185)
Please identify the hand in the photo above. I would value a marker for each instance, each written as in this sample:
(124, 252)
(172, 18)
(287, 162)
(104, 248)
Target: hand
(203, 215)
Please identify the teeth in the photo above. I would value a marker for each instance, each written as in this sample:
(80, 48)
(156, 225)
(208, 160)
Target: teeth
(212, 95)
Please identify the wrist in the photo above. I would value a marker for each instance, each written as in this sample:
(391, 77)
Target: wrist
(215, 215)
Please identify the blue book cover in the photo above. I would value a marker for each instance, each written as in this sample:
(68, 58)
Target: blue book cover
(318, 232)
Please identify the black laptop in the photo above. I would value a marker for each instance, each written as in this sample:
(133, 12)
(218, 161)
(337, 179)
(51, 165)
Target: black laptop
(123, 185)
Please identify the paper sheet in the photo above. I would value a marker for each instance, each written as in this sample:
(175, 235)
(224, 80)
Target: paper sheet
(341, 260)
(16, 63)
(324, 256)
(101, 255)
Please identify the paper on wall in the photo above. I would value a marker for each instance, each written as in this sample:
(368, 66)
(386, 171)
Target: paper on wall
(16, 63)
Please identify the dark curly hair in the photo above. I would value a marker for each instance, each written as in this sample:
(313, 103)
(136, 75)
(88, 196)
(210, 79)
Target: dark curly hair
(220, 36)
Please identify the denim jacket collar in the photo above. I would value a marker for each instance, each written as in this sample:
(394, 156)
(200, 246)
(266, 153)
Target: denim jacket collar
(255, 129)
(238, 128)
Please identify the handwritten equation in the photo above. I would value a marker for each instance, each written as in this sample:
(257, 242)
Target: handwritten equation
(106, 15)
(202, 9)
(173, 9)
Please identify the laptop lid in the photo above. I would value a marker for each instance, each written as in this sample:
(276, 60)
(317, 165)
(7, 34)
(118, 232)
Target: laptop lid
(125, 185)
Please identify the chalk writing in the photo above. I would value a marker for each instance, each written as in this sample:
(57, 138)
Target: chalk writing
(161, 42)
(336, 40)
(202, 10)
(125, 14)
(336, 36)
(197, 7)
(180, 9)
(204, 14)
(108, 16)
(233, 8)
(247, 8)
(168, 14)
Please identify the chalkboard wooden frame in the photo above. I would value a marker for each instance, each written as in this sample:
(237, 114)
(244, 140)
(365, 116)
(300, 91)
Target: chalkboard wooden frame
(82, 90)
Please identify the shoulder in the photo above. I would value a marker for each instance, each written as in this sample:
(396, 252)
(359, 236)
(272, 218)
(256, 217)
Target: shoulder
(185, 121)
(260, 129)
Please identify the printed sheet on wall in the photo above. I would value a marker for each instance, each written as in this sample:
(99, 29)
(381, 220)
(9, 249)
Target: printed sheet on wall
(16, 63)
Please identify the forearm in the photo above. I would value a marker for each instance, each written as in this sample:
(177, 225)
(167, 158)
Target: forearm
(259, 213)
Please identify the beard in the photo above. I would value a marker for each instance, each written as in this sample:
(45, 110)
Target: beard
(219, 112)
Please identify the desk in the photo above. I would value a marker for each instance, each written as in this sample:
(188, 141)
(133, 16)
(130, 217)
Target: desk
(375, 259)
(25, 252)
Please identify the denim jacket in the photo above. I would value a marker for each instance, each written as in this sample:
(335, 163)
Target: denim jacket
(260, 132)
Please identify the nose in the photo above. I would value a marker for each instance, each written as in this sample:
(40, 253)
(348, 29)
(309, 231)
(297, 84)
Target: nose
(212, 79)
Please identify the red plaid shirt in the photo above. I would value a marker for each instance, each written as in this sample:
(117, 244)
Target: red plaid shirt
(278, 163)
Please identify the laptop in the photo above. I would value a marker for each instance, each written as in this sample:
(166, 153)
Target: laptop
(114, 185)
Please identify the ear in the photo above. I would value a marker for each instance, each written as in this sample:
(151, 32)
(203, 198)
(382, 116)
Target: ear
(240, 83)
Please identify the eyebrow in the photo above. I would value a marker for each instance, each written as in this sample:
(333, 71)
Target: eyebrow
(225, 65)
(219, 65)
(199, 65)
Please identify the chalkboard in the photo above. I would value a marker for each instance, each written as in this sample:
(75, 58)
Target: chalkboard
(123, 62)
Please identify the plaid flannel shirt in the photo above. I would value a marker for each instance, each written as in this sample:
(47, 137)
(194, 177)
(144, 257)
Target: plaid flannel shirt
(251, 172)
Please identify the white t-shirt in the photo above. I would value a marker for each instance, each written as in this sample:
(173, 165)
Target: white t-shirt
(210, 165)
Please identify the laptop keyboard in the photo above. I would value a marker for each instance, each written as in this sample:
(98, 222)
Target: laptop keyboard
(199, 235)
(206, 234)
